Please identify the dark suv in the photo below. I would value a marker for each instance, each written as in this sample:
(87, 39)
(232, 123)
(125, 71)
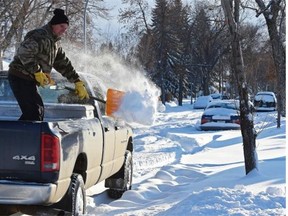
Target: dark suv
(265, 101)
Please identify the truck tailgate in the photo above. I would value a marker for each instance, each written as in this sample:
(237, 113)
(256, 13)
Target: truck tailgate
(20, 149)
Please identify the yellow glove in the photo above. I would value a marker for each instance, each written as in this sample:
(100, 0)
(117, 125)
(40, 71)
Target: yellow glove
(50, 80)
(80, 90)
(41, 78)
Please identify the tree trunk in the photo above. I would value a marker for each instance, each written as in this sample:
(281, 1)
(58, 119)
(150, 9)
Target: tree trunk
(247, 125)
(205, 81)
(1, 60)
(162, 69)
(180, 95)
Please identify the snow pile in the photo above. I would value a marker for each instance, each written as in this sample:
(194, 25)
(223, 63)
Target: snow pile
(5, 65)
(226, 201)
(139, 107)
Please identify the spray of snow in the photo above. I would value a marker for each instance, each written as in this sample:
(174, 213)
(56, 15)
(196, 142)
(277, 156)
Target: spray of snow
(140, 102)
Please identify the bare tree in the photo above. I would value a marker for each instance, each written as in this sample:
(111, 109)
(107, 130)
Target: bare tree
(210, 43)
(134, 17)
(275, 25)
(18, 17)
(135, 22)
(231, 10)
(5, 42)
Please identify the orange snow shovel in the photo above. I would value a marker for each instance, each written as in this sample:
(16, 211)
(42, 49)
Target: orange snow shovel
(113, 101)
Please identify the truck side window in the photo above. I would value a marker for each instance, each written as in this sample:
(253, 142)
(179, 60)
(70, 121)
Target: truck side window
(6, 93)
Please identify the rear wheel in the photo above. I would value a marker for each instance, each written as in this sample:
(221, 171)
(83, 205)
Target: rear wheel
(74, 200)
(122, 180)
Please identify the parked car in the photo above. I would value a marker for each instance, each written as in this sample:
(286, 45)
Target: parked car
(265, 101)
(216, 96)
(219, 96)
(221, 115)
(202, 101)
(225, 97)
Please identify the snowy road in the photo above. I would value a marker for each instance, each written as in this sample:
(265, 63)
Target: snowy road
(181, 170)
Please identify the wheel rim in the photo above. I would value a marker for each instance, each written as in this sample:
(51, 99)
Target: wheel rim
(79, 204)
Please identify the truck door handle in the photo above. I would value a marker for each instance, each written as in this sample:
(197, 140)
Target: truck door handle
(106, 129)
(117, 127)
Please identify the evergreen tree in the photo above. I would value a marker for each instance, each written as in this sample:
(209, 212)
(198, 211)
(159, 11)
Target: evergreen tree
(180, 50)
(162, 38)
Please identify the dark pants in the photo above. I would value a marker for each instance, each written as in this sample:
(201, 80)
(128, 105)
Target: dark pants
(28, 97)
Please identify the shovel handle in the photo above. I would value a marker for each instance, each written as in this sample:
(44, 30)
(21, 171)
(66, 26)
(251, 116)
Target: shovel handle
(95, 98)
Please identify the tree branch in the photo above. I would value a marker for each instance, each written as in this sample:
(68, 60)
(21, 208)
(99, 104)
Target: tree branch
(264, 9)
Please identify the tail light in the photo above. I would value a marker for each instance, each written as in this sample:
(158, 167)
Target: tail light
(235, 120)
(50, 153)
(206, 119)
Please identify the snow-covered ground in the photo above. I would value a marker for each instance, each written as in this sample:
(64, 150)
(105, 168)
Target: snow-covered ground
(179, 170)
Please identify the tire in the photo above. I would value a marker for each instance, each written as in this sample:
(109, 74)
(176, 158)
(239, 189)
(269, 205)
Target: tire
(74, 200)
(122, 180)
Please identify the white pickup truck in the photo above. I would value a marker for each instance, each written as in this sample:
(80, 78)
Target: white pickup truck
(54, 161)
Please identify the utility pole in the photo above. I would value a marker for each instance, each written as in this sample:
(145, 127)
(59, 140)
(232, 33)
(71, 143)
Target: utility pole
(84, 26)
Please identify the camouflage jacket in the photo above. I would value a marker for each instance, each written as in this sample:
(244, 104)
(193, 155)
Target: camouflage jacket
(41, 50)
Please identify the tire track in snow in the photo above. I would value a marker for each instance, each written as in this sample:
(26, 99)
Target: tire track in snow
(152, 151)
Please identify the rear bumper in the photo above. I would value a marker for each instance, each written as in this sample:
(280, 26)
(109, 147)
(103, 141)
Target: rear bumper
(17, 192)
(215, 126)
(265, 109)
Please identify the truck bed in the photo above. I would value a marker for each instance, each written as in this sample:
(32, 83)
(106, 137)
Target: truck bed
(24, 133)
(20, 151)
(9, 110)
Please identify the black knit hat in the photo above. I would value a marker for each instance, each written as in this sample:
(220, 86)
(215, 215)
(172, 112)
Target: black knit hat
(59, 17)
